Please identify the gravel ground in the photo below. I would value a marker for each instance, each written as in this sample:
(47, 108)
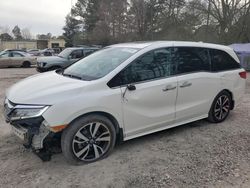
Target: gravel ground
(198, 154)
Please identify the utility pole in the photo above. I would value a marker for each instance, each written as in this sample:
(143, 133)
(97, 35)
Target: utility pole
(71, 5)
(208, 18)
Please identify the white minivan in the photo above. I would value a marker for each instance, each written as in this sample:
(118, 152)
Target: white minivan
(121, 92)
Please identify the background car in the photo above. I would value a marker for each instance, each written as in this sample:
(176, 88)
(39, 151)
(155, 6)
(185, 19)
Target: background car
(47, 52)
(67, 57)
(16, 59)
(34, 52)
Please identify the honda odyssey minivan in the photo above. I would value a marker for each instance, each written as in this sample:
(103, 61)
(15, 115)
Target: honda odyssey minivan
(122, 92)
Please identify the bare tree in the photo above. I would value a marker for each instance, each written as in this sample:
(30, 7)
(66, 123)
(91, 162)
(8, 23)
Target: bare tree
(26, 34)
(226, 13)
(4, 29)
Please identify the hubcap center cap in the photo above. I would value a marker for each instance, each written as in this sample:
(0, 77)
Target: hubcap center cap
(91, 141)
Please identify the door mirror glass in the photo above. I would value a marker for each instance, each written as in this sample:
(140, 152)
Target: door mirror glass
(131, 87)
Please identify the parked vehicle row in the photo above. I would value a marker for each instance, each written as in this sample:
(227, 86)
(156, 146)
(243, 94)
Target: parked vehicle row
(19, 58)
(37, 52)
(122, 92)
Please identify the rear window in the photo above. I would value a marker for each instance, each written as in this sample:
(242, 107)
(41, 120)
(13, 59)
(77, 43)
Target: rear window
(222, 61)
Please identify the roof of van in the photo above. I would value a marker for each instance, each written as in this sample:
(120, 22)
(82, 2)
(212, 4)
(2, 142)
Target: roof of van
(160, 44)
(144, 44)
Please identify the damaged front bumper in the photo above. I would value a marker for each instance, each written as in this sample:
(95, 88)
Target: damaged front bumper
(36, 136)
(32, 132)
(31, 129)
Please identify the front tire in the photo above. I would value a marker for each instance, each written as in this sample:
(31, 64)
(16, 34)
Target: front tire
(88, 139)
(26, 64)
(220, 108)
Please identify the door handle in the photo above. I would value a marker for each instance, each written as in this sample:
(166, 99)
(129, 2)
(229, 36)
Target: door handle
(186, 84)
(169, 87)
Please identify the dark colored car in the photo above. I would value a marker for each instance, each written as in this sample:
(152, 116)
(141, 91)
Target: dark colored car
(67, 57)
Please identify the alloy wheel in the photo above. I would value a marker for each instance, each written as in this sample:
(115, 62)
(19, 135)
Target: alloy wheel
(91, 141)
(222, 107)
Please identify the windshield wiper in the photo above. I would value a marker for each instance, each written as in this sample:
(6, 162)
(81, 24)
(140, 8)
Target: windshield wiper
(88, 78)
(72, 76)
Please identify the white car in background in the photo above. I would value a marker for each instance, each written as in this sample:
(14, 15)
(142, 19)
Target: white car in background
(122, 92)
(11, 58)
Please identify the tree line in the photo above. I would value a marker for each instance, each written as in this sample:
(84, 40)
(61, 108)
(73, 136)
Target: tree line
(111, 21)
(22, 34)
(16, 33)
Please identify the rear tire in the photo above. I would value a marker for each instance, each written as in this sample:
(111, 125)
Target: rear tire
(26, 64)
(88, 139)
(220, 108)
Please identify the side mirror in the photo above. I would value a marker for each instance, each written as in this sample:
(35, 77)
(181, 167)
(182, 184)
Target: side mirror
(131, 87)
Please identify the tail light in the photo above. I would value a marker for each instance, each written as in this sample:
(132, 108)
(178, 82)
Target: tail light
(243, 74)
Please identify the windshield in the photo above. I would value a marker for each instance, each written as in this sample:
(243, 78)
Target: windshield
(99, 63)
(65, 53)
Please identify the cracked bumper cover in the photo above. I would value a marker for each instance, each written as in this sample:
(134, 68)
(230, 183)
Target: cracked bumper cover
(32, 132)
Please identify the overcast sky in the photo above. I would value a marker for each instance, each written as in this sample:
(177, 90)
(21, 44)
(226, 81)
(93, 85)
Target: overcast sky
(40, 16)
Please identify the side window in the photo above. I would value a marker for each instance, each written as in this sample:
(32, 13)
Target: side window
(222, 61)
(88, 52)
(152, 65)
(189, 59)
(76, 54)
(15, 54)
(4, 55)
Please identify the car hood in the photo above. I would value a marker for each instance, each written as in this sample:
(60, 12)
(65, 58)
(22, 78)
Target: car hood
(51, 59)
(46, 89)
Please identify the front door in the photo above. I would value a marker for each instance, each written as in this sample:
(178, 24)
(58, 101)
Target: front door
(148, 93)
(5, 60)
(150, 107)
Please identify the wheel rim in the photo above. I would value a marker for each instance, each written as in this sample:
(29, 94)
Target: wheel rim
(91, 141)
(26, 64)
(222, 107)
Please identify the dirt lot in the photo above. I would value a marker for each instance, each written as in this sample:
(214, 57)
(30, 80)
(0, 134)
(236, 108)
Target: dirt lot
(198, 154)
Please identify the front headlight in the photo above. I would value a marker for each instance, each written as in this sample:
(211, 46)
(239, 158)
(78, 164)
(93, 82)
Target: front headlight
(41, 64)
(26, 111)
